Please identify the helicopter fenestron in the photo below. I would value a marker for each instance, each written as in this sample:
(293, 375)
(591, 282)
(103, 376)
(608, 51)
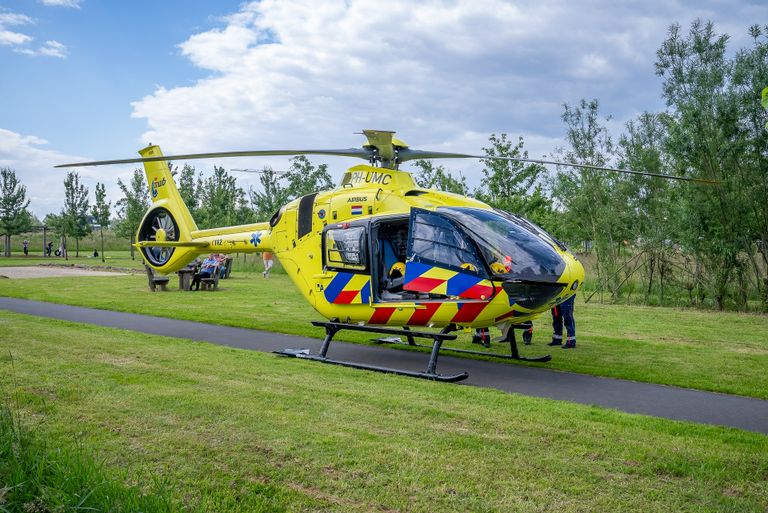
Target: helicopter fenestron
(379, 253)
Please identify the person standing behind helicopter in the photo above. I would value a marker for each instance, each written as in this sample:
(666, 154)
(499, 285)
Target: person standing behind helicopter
(563, 314)
(269, 261)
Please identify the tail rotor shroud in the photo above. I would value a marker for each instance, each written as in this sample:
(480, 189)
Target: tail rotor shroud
(158, 226)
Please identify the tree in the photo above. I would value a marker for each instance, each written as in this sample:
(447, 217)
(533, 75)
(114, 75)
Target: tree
(653, 218)
(222, 202)
(132, 205)
(430, 176)
(272, 196)
(75, 212)
(593, 203)
(190, 185)
(710, 137)
(512, 185)
(750, 75)
(100, 212)
(14, 216)
(305, 178)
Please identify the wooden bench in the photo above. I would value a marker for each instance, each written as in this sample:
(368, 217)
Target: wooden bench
(211, 282)
(156, 280)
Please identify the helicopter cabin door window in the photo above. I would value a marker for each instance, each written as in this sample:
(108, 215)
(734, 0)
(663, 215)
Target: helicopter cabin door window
(442, 261)
(346, 248)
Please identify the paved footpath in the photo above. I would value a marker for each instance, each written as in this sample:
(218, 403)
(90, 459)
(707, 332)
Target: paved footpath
(629, 396)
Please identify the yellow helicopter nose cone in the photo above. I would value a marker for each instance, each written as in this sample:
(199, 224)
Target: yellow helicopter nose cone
(160, 235)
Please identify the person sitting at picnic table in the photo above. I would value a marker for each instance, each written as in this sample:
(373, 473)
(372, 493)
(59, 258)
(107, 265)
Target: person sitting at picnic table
(222, 259)
(207, 268)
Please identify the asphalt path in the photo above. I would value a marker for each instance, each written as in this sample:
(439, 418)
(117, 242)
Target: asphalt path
(629, 396)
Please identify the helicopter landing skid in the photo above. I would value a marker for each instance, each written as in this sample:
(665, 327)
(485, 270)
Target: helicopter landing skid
(514, 353)
(331, 328)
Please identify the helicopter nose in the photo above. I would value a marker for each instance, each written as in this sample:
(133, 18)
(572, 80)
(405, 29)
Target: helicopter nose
(573, 275)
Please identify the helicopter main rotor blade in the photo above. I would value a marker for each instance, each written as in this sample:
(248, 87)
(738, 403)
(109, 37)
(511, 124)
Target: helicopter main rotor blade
(350, 152)
(408, 154)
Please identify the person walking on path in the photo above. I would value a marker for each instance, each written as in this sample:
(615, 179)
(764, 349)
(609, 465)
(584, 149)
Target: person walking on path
(563, 314)
(269, 261)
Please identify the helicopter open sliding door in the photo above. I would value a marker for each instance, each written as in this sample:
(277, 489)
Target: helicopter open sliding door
(442, 261)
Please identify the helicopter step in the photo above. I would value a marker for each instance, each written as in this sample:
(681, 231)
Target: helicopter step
(333, 327)
(509, 337)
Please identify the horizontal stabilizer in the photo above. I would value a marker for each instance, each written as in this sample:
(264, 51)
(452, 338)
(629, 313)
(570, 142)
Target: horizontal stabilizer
(171, 244)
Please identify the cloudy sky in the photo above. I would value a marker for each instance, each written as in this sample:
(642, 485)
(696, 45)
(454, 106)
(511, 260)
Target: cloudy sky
(96, 79)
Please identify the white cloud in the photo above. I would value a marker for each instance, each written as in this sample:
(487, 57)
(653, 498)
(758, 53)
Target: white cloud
(33, 162)
(9, 18)
(9, 38)
(53, 49)
(298, 74)
(21, 42)
(75, 4)
(49, 49)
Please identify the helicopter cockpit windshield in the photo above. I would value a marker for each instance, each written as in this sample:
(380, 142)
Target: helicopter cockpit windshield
(512, 247)
(487, 243)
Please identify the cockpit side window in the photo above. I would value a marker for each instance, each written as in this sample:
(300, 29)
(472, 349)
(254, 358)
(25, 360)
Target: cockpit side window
(345, 248)
(436, 239)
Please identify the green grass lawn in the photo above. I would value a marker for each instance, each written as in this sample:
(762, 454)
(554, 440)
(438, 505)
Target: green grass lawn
(123, 260)
(719, 351)
(235, 430)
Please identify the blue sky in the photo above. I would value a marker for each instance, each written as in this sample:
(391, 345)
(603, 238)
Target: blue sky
(96, 80)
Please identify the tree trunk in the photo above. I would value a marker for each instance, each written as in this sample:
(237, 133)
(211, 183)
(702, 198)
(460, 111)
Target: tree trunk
(651, 265)
(77, 247)
(102, 244)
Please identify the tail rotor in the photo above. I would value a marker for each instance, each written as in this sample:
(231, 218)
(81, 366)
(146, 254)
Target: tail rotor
(158, 226)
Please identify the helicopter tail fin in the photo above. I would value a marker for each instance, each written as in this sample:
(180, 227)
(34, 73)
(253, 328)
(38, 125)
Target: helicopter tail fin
(168, 221)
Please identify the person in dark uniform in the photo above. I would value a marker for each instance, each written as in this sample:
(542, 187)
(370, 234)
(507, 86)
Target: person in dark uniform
(563, 314)
(482, 336)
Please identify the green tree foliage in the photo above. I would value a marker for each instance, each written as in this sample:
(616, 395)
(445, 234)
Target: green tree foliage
(131, 207)
(711, 134)
(512, 185)
(304, 178)
(14, 216)
(190, 184)
(222, 202)
(652, 216)
(100, 212)
(430, 176)
(271, 197)
(594, 203)
(74, 216)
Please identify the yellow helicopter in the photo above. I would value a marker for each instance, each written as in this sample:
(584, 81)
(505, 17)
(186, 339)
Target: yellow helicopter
(379, 253)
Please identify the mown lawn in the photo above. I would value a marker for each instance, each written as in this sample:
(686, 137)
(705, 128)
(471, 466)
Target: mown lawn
(718, 351)
(236, 430)
(122, 260)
